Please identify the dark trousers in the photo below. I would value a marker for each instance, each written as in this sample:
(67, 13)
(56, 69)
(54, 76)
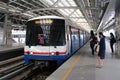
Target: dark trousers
(92, 48)
(111, 45)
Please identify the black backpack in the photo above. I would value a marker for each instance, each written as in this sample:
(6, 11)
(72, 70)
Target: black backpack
(95, 40)
(114, 40)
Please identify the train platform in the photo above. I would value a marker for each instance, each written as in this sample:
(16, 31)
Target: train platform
(82, 66)
(14, 46)
(11, 51)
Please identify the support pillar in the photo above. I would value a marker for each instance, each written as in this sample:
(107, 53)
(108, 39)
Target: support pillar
(7, 38)
(117, 32)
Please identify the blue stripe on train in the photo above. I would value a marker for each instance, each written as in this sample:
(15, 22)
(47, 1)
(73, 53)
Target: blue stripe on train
(59, 59)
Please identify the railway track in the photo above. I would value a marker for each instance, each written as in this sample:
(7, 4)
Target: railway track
(11, 61)
(16, 69)
(39, 74)
(11, 67)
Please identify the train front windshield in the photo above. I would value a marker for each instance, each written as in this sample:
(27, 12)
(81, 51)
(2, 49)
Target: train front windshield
(49, 32)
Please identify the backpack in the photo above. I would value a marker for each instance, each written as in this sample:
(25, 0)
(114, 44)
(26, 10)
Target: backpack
(114, 40)
(95, 40)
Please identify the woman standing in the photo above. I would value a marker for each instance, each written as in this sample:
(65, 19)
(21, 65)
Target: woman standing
(93, 41)
(112, 41)
(101, 53)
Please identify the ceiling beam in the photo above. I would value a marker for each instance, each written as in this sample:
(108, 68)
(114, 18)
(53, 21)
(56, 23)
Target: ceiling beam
(56, 3)
(22, 5)
(38, 3)
(77, 17)
(92, 8)
(53, 8)
(29, 4)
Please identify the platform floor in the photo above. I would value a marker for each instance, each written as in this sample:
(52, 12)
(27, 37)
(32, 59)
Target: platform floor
(82, 66)
(4, 48)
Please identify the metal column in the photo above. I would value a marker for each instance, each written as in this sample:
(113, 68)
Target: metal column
(7, 39)
(5, 29)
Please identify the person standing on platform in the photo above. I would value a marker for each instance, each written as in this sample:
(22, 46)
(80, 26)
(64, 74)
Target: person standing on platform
(93, 41)
(112, 41)
(101, 52)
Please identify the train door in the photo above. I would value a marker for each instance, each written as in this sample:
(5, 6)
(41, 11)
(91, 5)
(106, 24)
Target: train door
(68, 38)
(85, 38)
(81, 37)
(74, 39)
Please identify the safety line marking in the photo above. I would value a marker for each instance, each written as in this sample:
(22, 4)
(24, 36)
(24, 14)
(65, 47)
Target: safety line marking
(71, 68)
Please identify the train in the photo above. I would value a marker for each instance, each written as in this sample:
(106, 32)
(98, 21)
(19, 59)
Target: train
(18, 36)
(52, 38)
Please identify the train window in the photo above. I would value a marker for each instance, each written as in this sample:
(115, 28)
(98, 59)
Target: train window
(54, 33)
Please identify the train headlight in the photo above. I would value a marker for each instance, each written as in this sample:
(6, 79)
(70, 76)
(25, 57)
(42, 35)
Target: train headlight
(53, 53)
(31, 52)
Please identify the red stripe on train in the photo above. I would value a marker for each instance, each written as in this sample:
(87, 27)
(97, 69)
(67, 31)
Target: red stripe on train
(27, 52)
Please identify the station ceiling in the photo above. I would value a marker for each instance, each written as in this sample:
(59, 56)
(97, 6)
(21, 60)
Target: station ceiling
(85, 13)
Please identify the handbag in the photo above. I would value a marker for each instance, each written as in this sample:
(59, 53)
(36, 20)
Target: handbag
(97, 48)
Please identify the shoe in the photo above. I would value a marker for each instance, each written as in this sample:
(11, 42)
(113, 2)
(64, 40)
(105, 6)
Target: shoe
(98, 66)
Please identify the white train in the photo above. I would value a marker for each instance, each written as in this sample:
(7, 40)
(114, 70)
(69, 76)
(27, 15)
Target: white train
(18, 36)
(52, 38)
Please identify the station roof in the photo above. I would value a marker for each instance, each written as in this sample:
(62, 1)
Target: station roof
(85, 13)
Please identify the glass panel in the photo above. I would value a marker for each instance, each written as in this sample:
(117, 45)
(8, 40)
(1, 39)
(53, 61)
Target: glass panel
(79, 13)
(63, 12)
(72, 2)
(46, 33)
(65, 3)
(60, 4)
(49, 2)
(68, 11)
(82, 20)
(74, 19)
